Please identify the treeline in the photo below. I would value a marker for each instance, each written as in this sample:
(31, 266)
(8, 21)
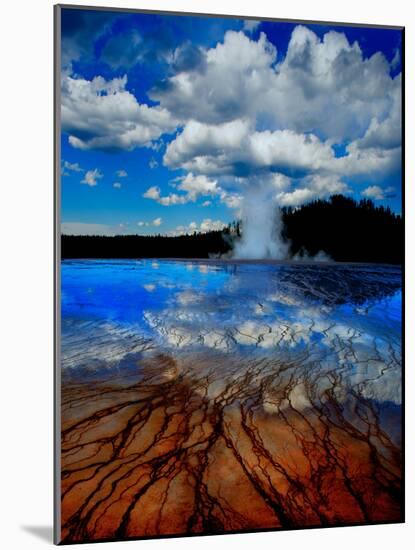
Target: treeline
(197, 245)
(346, 230)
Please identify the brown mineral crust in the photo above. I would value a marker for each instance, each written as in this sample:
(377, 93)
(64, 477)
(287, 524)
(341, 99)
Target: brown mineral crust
(181, 448)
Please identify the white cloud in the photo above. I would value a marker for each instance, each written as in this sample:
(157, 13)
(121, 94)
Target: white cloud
(385, 133)
(153, 163)
(373, 192)
(152, 193)
(377, 193)
(323, 92)
(204, 227)
(204, 148)
(117, 185)
(232, 76)
(183, 229)
(323, 84)
(396, 59)
(101, 114)
(211, 225)
(297, 197)
(250, 25)
(312, 187)
(234, 148)
(91, 177)
(289, 152)
(232, 200)
(156, 223)
(70, 167)
(196, 186)
(192, 186)
(242, 113)
(122, 173)
(172, 199)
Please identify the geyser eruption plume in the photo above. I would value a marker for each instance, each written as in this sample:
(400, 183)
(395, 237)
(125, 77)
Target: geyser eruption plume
(261, 224)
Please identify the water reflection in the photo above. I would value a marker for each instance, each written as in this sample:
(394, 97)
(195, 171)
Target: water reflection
(350, 315)
(228, 396)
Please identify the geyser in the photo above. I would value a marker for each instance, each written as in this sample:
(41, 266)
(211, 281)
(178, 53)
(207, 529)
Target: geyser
(261, 225)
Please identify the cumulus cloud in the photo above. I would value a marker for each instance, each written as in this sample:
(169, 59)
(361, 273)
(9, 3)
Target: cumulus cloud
(204, 227)
(231, 77)
(232, 200)
(205, 147)
(117, 185)
(196, 186)
(312, 187)
(153, 163)
(91, 177)
(187, 57)
(385, 133)
(396, 59)
(370, 162)
(103, 114)
(152, 193)
(192, 186)
(68, 167)
(211, 225)
(250, 25)
(167, 200)
(122, 173)
(240, 111)
(236, 149)
(248, 115)
(377, 193)
(156, 223)
(323, 84)
(244, 118)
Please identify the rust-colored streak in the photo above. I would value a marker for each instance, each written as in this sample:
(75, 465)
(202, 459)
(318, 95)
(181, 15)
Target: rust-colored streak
(188, 447)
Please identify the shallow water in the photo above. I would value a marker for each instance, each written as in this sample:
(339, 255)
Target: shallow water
(182, 304)
(283, 380)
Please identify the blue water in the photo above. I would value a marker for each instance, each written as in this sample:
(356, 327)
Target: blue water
(333, 314)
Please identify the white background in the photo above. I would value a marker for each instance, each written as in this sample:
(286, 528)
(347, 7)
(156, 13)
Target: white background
(26, 283)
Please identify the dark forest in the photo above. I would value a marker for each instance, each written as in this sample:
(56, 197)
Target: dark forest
(342, 228)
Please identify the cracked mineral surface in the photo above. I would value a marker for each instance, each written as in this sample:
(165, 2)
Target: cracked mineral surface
(216, 397)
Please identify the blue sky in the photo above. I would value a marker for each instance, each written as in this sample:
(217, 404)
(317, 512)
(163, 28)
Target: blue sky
(172, 123)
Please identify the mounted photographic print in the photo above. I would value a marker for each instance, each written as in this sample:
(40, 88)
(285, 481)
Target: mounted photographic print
(229, 262)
